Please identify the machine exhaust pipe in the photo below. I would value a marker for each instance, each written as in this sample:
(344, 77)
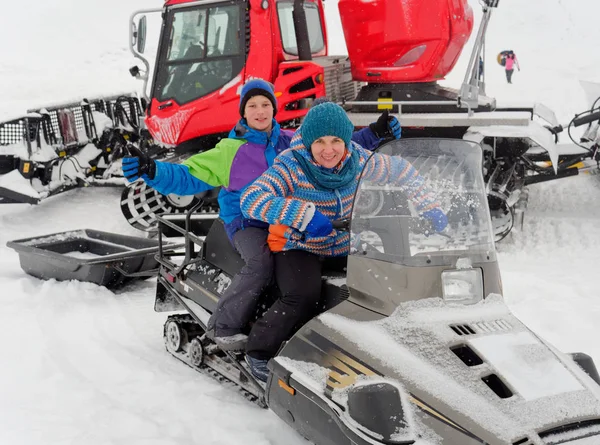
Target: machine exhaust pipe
(301, 28)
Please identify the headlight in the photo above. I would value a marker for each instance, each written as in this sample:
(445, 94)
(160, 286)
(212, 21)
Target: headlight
(462, 286)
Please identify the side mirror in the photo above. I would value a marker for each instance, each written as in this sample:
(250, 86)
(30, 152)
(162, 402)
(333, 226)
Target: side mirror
(141, 34)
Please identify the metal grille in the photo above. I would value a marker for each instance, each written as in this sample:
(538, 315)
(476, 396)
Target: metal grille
(339, 86)
(481, 327)
(122, 110)
(55, 125)
(11, 132)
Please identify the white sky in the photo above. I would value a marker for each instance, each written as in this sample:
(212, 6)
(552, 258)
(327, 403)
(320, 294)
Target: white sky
(82, 365)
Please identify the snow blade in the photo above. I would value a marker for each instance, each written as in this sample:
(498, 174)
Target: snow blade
(8, 196)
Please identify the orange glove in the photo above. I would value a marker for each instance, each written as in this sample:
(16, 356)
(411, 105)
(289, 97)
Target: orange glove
(277, 238)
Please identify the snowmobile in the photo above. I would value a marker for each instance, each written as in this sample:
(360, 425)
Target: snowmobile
(413, 344)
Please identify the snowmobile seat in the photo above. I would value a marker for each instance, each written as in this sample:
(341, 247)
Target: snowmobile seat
(219, 251)
(221, 254)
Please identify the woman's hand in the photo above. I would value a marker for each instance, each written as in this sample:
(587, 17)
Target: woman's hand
(386, 127)
(319, 225)
(438, 219)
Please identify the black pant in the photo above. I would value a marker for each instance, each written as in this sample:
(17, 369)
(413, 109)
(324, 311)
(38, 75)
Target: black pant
(509, 74)
(238, 303)
(298, 275)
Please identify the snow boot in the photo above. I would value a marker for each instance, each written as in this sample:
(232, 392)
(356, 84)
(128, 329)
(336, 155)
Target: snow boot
(233, 343)
(236, 342)
(258, 368)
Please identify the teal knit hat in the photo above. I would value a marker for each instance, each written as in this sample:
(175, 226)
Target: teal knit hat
(326, 119)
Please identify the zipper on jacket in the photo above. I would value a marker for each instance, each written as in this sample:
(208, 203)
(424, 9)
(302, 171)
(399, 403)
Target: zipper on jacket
(339, 199)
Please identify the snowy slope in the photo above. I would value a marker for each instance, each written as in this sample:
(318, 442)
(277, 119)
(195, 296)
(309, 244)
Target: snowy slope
(83, 365)
(64, 50)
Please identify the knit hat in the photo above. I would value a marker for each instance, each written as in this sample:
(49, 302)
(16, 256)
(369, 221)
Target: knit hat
(326, 119)
(257, 87)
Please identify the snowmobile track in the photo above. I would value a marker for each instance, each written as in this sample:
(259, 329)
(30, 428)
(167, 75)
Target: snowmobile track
(211, 361)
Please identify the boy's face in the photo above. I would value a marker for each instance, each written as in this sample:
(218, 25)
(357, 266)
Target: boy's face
(259, 113)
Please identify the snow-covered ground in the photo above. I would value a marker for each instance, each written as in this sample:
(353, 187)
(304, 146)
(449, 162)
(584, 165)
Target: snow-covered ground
(82, 365)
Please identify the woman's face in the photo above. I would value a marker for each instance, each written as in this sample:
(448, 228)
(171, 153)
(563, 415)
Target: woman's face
(328, 151)
(259, 113)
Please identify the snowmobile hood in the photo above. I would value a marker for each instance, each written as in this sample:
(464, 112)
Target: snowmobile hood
(476, 368)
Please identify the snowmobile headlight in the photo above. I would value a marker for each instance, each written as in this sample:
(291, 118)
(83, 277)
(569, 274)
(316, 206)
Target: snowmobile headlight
(462, 286)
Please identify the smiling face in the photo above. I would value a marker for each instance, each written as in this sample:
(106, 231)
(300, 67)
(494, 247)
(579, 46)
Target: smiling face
(328, 151)
(259, 113)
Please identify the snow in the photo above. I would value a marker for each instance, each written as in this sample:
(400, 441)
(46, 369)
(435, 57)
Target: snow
(526, 367)
(82, 255)
(81, 364)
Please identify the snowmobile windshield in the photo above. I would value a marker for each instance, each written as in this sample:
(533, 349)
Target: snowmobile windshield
(386, 224)
(203, 52)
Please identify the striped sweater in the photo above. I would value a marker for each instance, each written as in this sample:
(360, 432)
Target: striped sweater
(283, 197)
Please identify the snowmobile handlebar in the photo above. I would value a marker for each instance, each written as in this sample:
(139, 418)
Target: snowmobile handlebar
(342, 225)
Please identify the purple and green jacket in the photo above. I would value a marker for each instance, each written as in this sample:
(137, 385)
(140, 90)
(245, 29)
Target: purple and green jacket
(233, 164)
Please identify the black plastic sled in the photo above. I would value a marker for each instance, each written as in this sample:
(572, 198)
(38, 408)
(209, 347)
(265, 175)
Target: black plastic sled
(104, 258)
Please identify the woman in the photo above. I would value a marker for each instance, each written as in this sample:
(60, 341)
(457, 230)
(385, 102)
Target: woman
(233, 164)
(307, 187)
(511, 61)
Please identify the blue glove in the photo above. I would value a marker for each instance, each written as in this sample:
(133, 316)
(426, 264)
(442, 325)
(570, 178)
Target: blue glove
(139, 166)
(395, 128)
(438, 219)
(319, 225)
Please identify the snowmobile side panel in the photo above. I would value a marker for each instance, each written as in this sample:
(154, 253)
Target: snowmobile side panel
(311, 416)
(202, 286)
(321, 420)
(107, 259)
(164, 301)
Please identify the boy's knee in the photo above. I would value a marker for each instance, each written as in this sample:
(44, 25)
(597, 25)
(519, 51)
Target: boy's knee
(261, 259)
